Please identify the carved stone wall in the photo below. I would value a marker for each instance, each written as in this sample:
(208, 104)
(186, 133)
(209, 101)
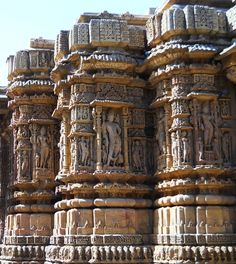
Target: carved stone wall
(194, 112)
(33, 156)
(104, 214)
(133, 159)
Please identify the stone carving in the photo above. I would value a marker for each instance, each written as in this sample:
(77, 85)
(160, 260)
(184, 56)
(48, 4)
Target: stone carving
(24, 163)
(137, 154)
(207, 126)
(143, 136)
(174, 148)
(186, 147)
(43, 143)
(84, 151)
(112, 145)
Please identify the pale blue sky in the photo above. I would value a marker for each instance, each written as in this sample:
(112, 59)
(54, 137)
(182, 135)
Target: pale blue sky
(21, 20)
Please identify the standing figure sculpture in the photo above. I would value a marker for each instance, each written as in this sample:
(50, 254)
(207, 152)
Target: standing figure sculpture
(84, 151)
(137, 154)
(174, 148)
(112, 139)
(43, 142)
(207, 127)
(25, 163)
(186, 147)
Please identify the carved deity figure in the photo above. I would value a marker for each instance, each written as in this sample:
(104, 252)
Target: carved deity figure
(43, 142)
(84, 151)
(174, 148)
(24, 163)
(137, 154)
(186, 147)
(207, 126)
(112, 140)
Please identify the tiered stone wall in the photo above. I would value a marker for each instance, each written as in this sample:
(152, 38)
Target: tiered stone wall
(133, 159)
(29, 219)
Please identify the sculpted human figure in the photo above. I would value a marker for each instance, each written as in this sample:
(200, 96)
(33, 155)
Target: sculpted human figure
(84, 151)
(112, 139)
(174, 148)
(186, 147)
(44, 147)
(25, 163)
(207, 127)
(137, 154)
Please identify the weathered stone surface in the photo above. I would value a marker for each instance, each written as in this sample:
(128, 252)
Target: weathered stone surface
(133, 159)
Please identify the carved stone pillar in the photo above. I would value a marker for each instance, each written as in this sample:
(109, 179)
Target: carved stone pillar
(66, 122)
(29, 211)
(98, 121)
(104, 214)
(193, 205)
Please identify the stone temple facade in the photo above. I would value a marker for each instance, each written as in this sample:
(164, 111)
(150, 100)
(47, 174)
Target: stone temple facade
(118, 144)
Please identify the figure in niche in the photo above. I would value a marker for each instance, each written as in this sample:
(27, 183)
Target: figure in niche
(43, 142)
(73, 155)
(24, 163)
(174, 148)
(43, 60)
(112, 140)
(23, 60)
(186, 147)
(137, 154)
(34, 59)
(84, 151)
(207, 126)
(226, 147)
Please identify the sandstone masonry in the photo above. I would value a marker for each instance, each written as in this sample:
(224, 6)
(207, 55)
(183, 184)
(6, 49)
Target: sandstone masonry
(118, 142)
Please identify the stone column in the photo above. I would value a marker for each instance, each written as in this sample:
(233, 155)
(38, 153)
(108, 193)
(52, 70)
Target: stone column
(98, 119)
(66, 145)
(104, 214)
(189, 225)
(29, 210)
